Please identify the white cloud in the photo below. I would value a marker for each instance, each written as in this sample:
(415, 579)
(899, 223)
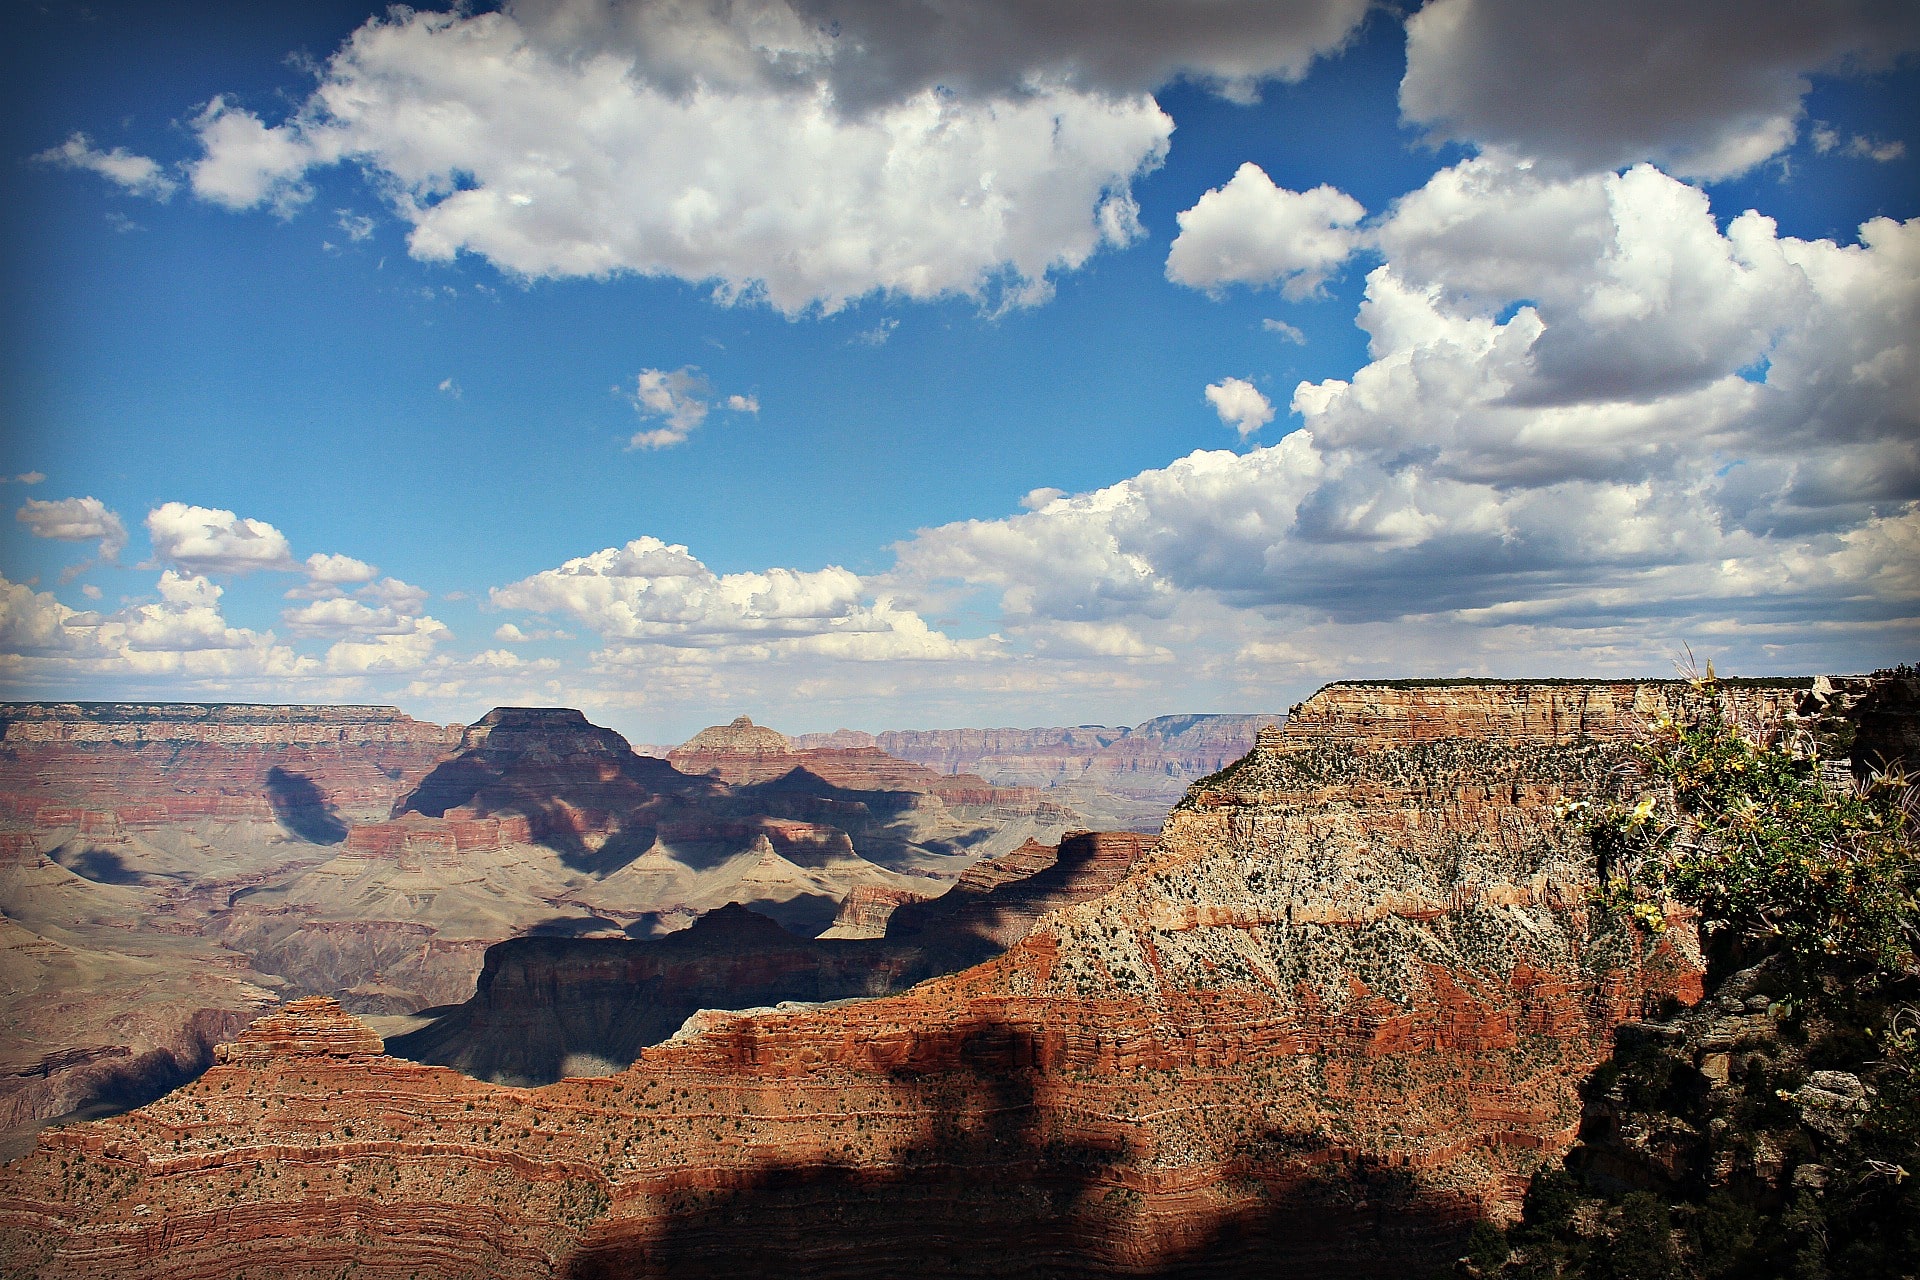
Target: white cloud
(1826, 139)
(509, 633)
(388, 652)
(876, 336)
(1240, 405)
(1681, 425)
(1708, 89)
(25, 477)
(33, 621)
(357, 225)
(744, 148)
(658, 595)
(212, 540)
(678, 399)
(1284, 331)
(135, 174)
(344, 616)
(391, 593)
(1255, 233)
(338, 570)
(75, 520)
(244, 163)
(448, 387)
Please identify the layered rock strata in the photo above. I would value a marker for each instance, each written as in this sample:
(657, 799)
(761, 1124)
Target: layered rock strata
(548, 1007)
(1340, 1011)
(313, 769)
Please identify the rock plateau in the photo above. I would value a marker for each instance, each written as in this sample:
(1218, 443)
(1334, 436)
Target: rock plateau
(1338, 1013)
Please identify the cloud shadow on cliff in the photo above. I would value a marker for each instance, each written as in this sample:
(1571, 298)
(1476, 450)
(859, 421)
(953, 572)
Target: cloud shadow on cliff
(302, 808)
(993, 1186)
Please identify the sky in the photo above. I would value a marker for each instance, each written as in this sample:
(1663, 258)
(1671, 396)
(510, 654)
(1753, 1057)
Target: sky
(921, 363)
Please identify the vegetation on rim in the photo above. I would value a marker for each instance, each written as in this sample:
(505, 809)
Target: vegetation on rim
(1774, 1129)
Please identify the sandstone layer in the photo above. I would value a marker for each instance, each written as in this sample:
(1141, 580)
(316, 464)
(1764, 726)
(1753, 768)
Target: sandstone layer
(1339, 1012)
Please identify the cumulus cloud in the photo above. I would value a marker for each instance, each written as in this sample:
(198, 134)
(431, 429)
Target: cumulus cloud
(680, 401)
(135, 174)
(1676, 425)
(337, 570)
(875, 51)
(213, 540)
(1284, 331)
(657, 594)
(403, 645)
(181, 634)
(244, 163)
(1707, 90)
(33, 622)
(25, 477)
(777, 149)
(1255, 233)
(1240, 405)
(75, 520)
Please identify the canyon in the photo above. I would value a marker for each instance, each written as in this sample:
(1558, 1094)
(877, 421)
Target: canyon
(549, 1007)
(1337, 1012)
(170, 872)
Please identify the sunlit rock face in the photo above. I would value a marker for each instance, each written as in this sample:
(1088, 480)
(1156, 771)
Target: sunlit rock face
(1342, 1009)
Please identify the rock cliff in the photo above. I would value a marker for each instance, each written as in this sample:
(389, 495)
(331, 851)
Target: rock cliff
(312, 769)
(1339, 1012)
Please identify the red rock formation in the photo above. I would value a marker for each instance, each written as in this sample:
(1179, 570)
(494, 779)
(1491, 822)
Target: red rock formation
(1341, 1009)
(865, 911)
(736, 753)
(313, 1026)
(164, 763)
(1001, 900)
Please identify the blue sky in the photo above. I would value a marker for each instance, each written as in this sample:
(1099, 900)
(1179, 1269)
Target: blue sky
(997, 366)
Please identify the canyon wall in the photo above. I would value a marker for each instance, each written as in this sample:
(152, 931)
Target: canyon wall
(1342, 1010)
(548, 1007)
(312, 769)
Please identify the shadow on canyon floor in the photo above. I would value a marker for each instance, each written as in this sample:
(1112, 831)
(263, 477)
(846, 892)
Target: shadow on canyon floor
(102, 866)
(990, 1189)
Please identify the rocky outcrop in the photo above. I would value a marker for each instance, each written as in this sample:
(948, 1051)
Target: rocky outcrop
(1340, 1011)
(549, 1007)
(739, 752)
(1000, 900)
(865, 912)
(315, 1026)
